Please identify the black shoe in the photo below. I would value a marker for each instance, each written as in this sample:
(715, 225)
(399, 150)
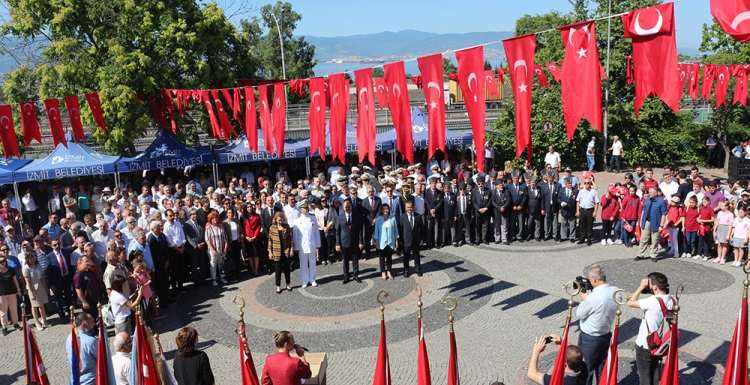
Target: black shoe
(638, 258)
(520, 241)
(406, 275)
(345, 281)
(572, 241)
(278, 291)
(61, 315)
(581, 242)
(557, 240)
(455, 245)
(357, 279)
(539, 239)
(486, 243)
(478, 243)
(506, 243)
(17, 327)
(588, 243)
(163, 306)
(497, 242)
(5, 332)
(419, 274)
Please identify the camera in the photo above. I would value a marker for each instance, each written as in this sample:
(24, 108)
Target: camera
(647, 289)
(585, 284)
(547, 340)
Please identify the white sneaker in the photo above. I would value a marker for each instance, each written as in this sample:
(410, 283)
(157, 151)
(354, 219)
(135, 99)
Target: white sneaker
(224, 281)
(618, 242)
(609, 242)
(304, 285)
(735, 264)
(704, 259)
(697, 256)
(214, 283)
(314, 284)
(604, 242)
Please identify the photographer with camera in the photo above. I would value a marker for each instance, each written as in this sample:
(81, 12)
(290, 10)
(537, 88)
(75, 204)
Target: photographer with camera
(575, 369)
(654, 309)
(597, 312)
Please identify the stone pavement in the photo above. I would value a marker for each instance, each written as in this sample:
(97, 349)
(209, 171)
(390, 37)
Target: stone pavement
(506, 296)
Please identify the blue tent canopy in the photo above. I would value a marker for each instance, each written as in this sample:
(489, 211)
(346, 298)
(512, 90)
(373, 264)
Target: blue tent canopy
(420, 134)
(166, 152)
(7, 169)
(239, 151)
(381, 143)
(76, 160)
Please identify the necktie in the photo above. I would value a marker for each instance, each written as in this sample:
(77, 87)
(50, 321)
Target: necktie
(567, 193)
(411, 220)
(349, 221)
(463, 204)
(195, 226)
(372, 204)
(61, 261)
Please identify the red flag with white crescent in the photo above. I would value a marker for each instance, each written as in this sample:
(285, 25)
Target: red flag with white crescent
(541, 76)
(226, 125)
(609, 372)
(167, 101)
(431, 68)
(265, 118)
(74, 114)
(491, 84)
(278, 116)
(722, 84)
(95, 105)
(558, 369)
(8, 132)
(453, 376)
(247, 367)
(316, 118)
(520, 53)
(381, 88)
(654, 54)
(339, 90)
(204, 98)
(682, 75)
(709, 73)
(735, 370)
(55, 122)
(470, 72)
(423, 363)
(251, 120)
(30, 124)
(581, 80)
(147, 372)
(382, 365)
(237, 106)
(37, 373)
(739, 71)
(365, 115)
(732, 16)
(398, 104)
(554, 69)
(693, 72)
(500, 73)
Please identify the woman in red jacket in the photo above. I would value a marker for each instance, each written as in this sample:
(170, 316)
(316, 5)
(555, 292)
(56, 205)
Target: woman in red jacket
(252, 237)
(282, 369)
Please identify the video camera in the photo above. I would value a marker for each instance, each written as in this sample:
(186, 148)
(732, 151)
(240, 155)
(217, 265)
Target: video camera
(585, 284)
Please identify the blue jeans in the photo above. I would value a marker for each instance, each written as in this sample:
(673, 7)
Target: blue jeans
(590, 160)
(625, 236)
(594, 353)
(690, 241)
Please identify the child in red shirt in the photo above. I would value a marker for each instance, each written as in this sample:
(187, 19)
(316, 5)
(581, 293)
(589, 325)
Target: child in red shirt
(706, 217)
(691, 226)
(631, 208)
(610, 209)
(675, 218)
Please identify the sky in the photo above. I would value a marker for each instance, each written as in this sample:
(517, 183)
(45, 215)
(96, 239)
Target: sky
(347, 17)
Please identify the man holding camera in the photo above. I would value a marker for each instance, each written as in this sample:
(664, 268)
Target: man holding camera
(597, 312)
(656, 284)
(575, 369)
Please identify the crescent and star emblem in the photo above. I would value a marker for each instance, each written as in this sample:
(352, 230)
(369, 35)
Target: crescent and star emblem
(395, 93)
(682, 75)
(473, 76)
(335, 99)
(93, 103)
(721, 78)
(28, 109)
(489, 78)
(278, 103)
(433, 103)
(739, 19)
(7, 125)
(53, 115)
(553, 68)
(381, 88)
(519, 63)
(364, 92)
(646, 32)
(316, 94)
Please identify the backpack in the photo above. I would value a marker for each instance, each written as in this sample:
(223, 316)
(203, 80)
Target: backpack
(660, 339)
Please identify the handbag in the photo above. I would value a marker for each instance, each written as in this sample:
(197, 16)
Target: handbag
(227, 265)
(637, 232)
(107, 316)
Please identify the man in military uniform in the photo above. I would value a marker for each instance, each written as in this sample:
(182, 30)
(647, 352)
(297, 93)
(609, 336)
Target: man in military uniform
(306, 243)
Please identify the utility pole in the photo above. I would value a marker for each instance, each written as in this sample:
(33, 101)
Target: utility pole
(283, 72)
(606, 89)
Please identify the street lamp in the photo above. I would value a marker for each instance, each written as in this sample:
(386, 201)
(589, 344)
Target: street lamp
(283, 71)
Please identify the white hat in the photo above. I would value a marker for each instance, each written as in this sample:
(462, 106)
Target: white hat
(107, 189)
(9, 227)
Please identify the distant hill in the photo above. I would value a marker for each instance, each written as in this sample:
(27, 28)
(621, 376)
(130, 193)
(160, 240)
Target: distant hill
(692, 52)
(408, 42)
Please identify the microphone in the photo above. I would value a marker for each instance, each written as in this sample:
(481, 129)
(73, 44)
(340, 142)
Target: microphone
(301, 347)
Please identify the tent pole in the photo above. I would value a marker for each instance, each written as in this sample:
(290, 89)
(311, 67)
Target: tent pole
(18, 203)
(307, 165)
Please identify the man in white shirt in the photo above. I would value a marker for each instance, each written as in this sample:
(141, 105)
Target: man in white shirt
(176, 242)
(290, 210)
(668, 186)
(489, 156)
(306, 243)
(553, 159)
(591, 153)
(100, 238)
(617, 153)
(123, 345)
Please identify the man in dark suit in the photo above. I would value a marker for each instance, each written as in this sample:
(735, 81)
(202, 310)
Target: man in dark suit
(482, 210)
(349, 240)
(448, 218)
(464, 216)
(60, 277)
(68, 238)
(370, 210)
(567, 200)
(433, 201)
(501, 207)
(535, 210)
(157, 243)
(412, 236)
(550, 206)
(266, 220)
(55, 204)
(519, 196)
(195, 247)
(203, 212)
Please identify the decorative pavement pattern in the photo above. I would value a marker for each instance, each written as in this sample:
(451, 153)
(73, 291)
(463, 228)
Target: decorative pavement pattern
(506, 296)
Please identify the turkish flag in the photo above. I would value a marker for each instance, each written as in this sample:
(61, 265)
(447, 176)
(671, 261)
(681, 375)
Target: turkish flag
(581, 79)
(558, 369)
(722, 84)
(654, 54)
(95, 105)
(682, 74)
(541, 76)
(489, 82)
(226, 125)
(693, 71)
(554, 69)
(215, 128)
(180, 102)
(732, 16)
(317, 117)
(454, 76)
(161, 120)
(338, 87)
(382, 90)
(74, 114)
(609, 372)
(147, 372)
(251, 120)
(55, 122)
(30, 124)
(36, 373)
(470, 70)
(382, 365)
(247, 367)
(735, 370)
(629, 60)
(520, 53)
(228, 98)
(417, 81)
(739, 71)
(237, 106)
(709, 72)
(279, 117)
(453, 377)
(168, 107)
(431, 68)
(670, 374)
(8, 132)
(398, 104)
(265, 118)
(104, 371)
(500, 73)
(365, 115)
(423, 362)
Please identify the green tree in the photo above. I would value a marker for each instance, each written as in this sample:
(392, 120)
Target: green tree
(378, 72)
(121, 49)
(448, 66)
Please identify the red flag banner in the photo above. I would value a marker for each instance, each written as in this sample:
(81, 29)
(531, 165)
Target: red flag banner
(74, 114)
(735, 370)
(709, 72)
(168, 108)
(654, 53)
(265, 118)
(670, 374)
(489, 82)
(148, 374)
(55, 122)
(279, 117)
(453, 376)
(317, 117)
(731, 16)
(398, 103)
(722, 84)
(423, 362)
(609, 372)
(500, 73)
(382, 365)
(237, 106)
(739, 71)
(581, 80)
(247, 367)
(541, 76)
(694, 71)
(338, 87)
(30, 124)
(226, 125)
(417, 81)
(365, 115)
(95, 105)
(555, 70)
(205, 98)
(558, 370)
(228, 98)
(158, 112)
(251, 120)
(8, 132)
(382, 90)
(37, 373)
(470, 70)
(431, 68)
(104, 368)
(297, 86)
(520, 53)
(454, 76)
(180, 102)
(682, 74)
(629, 60)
